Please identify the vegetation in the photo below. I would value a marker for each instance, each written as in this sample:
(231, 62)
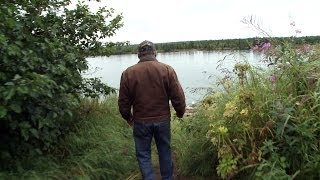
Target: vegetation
(264, 123)
(99, 146)
(196, 156)
(223, 44)
(43, 46)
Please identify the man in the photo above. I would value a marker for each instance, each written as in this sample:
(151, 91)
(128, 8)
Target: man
(147, 88)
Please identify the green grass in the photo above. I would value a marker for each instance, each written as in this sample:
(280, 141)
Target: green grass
(195, 155)
(100, 146)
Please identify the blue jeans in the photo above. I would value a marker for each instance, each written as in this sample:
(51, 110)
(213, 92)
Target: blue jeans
(143, 134)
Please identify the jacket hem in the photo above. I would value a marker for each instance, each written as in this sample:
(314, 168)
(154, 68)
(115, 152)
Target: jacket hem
(153, 119)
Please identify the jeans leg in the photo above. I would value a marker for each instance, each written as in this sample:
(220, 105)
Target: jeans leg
(143, 134)
(162, 137)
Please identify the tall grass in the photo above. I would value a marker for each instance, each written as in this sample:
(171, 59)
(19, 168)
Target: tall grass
(99, 146)
(195, 155)
(265, 124)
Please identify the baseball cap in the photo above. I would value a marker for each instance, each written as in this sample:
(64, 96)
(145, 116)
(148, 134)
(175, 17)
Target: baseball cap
(146, 46)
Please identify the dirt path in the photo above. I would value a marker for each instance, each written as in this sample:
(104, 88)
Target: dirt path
(176, 175)
(175, 171)
(156, 167)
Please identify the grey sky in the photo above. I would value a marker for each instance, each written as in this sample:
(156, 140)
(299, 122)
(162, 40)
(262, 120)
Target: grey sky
(183, 20)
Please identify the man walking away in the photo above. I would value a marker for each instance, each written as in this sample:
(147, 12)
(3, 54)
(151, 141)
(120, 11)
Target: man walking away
(147, 87)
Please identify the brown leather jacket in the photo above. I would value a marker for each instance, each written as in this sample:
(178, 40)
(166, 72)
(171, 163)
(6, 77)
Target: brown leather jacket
(147, 87)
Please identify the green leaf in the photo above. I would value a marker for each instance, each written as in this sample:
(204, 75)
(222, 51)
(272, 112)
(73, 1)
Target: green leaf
(16, 108)
(54, 115)
(23, 89)
(69, 113)
(25, 134)
(9, 84)
(38, 151)
(35, 133)
(24, 125)
(9, 93)
(16, 77)
(3, 111)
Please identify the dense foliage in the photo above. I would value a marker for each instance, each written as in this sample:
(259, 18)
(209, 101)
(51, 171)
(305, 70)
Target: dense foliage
(265, 123)
(43, 46)
(223, 44)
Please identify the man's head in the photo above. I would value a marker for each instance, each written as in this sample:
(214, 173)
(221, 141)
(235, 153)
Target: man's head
(146, 48)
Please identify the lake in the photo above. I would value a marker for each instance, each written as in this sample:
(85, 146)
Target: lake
(197, 71)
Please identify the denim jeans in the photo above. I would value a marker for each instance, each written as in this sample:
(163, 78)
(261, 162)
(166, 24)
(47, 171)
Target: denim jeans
(143, 134)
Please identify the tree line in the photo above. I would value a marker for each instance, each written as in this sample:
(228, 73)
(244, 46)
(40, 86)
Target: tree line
(222, 44)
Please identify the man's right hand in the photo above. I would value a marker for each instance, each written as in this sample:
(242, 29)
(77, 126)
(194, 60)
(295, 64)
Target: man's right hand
(179, 115)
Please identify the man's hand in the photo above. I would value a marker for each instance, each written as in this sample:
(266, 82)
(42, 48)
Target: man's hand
(179, 115)
(130, 121)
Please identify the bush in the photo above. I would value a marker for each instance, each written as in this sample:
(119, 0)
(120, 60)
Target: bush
(43, 46)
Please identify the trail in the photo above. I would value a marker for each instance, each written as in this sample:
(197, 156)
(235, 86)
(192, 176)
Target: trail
(176, 175)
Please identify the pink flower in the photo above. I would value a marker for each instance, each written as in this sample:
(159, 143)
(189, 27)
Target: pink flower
(273, 78)
(306, 48)
(266, 46)
(255, 48)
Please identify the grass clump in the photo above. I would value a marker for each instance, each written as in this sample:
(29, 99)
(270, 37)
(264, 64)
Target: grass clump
(99, 146)
(195, 155)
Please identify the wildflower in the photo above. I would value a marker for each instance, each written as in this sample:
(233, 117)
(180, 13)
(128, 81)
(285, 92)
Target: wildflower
(246, 125)
(230, 109)
(255, 48)
(214, 140)
(273, 78)
(266, 46)
(223, 130)
(306, 48)
(244, 112)
(262, 47)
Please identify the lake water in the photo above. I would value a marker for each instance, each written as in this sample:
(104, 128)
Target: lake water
(196, 70)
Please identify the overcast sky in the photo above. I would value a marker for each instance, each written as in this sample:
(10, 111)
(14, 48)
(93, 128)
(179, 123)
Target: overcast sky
(183, 20)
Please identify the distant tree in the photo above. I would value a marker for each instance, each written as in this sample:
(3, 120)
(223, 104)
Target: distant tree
(43, 50)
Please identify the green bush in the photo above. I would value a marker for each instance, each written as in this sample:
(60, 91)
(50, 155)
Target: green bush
(43, 49)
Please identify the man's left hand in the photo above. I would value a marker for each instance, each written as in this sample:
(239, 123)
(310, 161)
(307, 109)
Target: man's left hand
(130, 121)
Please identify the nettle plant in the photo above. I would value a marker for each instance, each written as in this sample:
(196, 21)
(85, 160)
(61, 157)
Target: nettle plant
(43, 50)
(266, 123)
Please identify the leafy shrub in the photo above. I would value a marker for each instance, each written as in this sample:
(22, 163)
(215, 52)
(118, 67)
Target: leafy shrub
(43, 46)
